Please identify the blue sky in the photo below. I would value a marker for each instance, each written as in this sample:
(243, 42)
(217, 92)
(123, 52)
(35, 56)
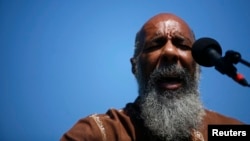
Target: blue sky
(64, 60)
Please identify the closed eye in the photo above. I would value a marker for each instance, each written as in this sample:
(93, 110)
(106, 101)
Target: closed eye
(181, 43)
(184, 47)
(155, 44)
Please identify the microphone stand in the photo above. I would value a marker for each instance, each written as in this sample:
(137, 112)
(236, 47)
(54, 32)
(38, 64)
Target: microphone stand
(235, 57)
(225, 66)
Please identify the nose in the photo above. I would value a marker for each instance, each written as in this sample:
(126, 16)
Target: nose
(169, 54)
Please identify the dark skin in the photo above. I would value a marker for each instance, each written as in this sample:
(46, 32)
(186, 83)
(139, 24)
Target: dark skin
(165, 39)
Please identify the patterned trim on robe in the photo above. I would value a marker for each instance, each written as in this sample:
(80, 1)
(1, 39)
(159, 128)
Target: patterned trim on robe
(100, 125)
(197, 136)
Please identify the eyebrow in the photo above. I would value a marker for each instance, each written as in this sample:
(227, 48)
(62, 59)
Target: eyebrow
(154, 39)
(178, 36)
(157, 37)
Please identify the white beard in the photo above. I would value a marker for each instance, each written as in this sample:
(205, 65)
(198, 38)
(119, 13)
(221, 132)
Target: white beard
(171, 115)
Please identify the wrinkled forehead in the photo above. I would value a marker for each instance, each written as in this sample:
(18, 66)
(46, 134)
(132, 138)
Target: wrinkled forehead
(166, 25)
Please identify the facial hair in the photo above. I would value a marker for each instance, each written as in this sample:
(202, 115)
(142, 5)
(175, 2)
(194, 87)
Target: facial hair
(171, 114)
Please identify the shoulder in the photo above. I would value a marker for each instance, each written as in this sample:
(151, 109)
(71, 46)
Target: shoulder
(101, 127)
(83, 130)
(213, 117)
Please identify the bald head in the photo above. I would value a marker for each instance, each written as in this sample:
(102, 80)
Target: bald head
(157, 24)
(165, 39)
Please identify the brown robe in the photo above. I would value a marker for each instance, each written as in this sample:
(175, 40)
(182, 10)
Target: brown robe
(117, 125)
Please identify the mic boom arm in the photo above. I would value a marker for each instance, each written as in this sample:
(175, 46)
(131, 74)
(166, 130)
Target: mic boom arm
(226, 67)
(235, 57)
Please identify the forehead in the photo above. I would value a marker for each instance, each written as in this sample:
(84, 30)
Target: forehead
(168, 26)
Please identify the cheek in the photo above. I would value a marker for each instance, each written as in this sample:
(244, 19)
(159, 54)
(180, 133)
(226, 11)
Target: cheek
(187, 60)
(148, 62)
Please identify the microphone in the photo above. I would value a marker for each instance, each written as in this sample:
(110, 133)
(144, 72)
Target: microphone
(207, 52)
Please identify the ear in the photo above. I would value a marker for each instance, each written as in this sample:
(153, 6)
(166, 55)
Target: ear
(133, 64)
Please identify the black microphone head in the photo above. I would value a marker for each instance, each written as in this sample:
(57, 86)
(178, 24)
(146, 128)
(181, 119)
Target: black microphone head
(199, 50)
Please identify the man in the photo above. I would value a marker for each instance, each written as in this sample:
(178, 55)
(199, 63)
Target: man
(168, 107)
